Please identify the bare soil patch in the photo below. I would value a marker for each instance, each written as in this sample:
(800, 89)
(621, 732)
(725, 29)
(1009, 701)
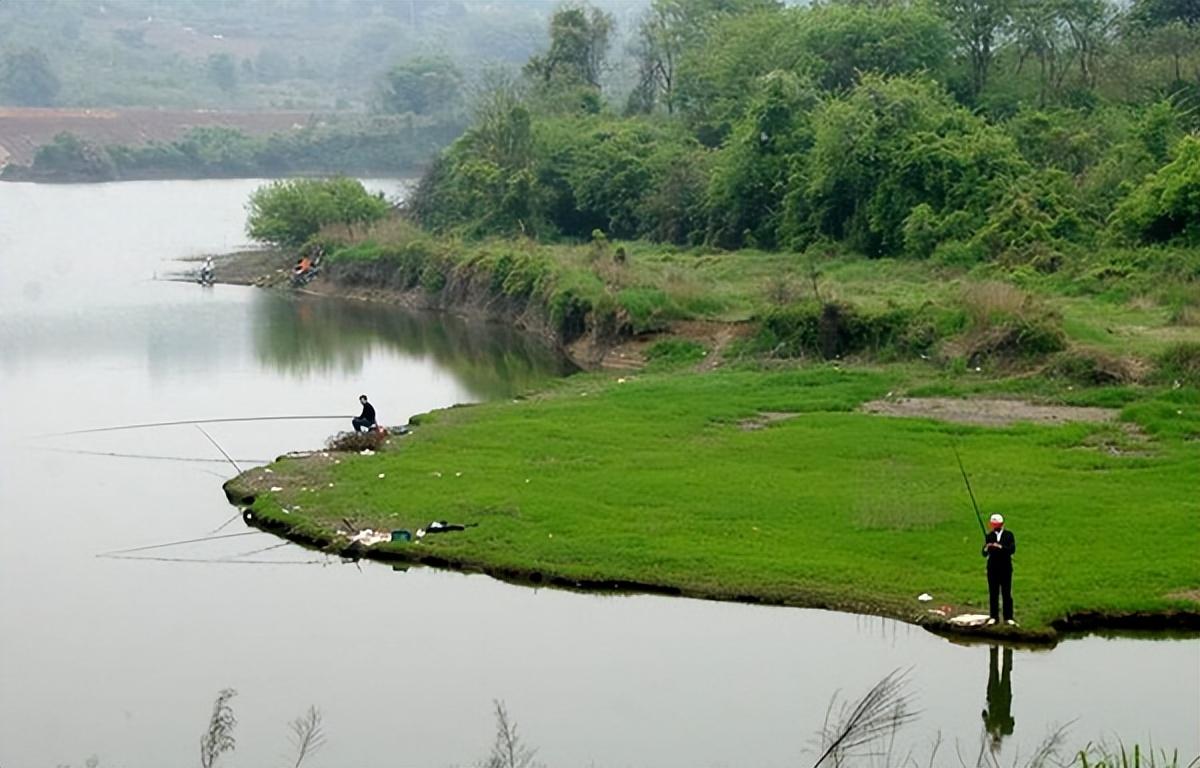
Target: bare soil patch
(765, 419)
(992, 413)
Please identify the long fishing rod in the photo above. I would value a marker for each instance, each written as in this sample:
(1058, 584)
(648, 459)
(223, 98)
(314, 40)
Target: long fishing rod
(978, 515)
(188, 421)
(219, 448)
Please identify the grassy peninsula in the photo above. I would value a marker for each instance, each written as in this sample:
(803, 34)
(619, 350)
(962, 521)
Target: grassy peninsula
(807, 255)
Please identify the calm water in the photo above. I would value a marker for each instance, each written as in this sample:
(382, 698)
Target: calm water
(121, 658)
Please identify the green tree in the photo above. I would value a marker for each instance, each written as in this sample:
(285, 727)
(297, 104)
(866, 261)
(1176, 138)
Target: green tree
(222, 71)
(579, 40)
(830, 45)
(670, 27)
(27, 79)
(290, 212)
(885, 148)
(421, 85)
(750, 172)
(976, 26)
(1163, 12)
(70, 156)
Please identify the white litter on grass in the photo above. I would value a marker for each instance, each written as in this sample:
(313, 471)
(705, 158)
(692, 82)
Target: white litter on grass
(969, 620)
(275, 488)
(268, 470)
(620, 381)
(368, 537)
(331, 485)
(366, 452)
(436, 474)
(527, 479)
(458, 474)
(924, 597)
(382, 475)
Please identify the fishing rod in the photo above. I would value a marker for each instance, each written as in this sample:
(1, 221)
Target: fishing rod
(978, 515)
(189, 421)
(219, 448)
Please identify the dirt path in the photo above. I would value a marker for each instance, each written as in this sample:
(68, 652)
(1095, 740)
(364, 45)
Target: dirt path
(992, 413)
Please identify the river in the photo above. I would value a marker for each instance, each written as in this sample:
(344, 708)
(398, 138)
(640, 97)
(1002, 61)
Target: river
(120, 658)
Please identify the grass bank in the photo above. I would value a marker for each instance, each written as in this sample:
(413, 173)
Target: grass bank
(770, 485)
(1104, 317)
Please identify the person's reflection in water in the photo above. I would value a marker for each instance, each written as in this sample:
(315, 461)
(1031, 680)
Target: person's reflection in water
(997, 718)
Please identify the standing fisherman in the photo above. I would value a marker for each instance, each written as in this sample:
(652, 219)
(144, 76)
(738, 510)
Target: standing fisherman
(998, 547)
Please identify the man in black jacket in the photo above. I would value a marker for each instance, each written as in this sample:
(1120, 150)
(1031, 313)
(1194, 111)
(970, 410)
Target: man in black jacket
(365, 420)
(998, 547)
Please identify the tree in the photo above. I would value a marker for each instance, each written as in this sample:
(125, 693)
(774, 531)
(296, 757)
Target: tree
(1158, 13)
(222, 71)
(27, 79)
(830, 45)
(292, 211)
(421, 85)
(885, 148)
(578, 46)
(976, 25)
(670, 27)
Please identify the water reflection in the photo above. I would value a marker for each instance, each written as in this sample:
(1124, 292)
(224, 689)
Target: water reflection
(997, 718)
(303, 334)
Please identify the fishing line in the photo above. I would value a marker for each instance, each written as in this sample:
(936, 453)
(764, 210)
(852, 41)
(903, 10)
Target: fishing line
(142, 455)
(220, 562)
(177, 543)
(188, 421)
(223, 525)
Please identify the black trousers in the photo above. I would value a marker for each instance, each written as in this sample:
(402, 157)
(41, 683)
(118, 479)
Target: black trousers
(1000, 584)
(361, 424)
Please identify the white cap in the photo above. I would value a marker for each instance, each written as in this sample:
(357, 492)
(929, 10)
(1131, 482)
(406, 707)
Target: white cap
(998, 519)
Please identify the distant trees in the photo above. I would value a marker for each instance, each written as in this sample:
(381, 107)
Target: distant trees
(27, 78)
(579, 41)
(222, 71)
(666, 30)
(292, 211)
(421, 85)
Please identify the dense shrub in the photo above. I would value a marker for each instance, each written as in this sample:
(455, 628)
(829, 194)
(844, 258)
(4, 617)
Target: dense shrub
(1166, 206)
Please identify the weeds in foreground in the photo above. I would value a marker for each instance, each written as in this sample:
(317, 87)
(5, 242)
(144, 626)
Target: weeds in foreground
(509, 751)
(1104, 756)
(307, 735)
(219, 739)
(881, 712)
(860, 734)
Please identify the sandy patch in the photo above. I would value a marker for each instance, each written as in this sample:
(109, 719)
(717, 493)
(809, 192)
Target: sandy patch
(992, 413)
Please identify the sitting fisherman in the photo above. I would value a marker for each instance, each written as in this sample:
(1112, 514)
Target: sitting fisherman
(365, 421)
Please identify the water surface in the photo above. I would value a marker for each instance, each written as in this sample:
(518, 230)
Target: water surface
(121, 658)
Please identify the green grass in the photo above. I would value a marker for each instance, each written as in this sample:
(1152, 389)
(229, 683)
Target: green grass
(677, 480)
(1121, 303)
